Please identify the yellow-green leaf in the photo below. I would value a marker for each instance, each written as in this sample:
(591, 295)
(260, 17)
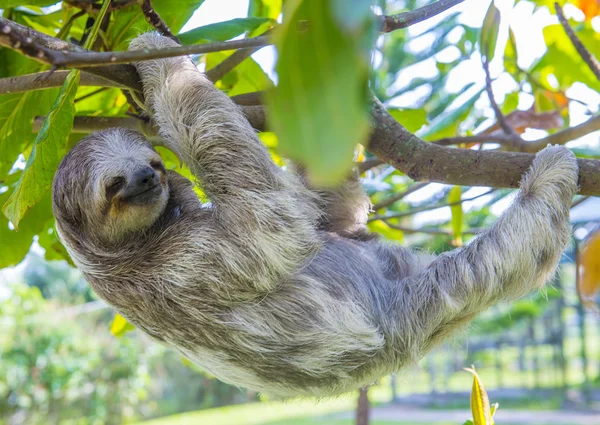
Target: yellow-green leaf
(489, 32)
(411, 119)
(454, 197)
(480, 403)
(120, 326)
(48, 150)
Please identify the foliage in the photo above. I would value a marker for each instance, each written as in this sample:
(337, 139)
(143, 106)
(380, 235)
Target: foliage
(55, 369)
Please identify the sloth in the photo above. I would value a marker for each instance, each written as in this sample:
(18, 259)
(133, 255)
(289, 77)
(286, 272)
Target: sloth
(273, 285)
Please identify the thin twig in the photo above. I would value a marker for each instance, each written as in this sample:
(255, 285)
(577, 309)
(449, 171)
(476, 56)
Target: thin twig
(406, 19)
(432, 231)
(398, 196)
(508, 130)
(429, 208)
(585, 54)
(368, 164)
(530, 146)
(93, 93)
(63, 59)
(47, 79)
(155, 20)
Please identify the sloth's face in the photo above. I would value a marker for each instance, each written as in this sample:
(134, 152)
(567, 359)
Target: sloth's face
(115, 183)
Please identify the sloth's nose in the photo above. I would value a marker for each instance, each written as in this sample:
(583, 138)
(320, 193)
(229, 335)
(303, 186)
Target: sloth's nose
(145, 178)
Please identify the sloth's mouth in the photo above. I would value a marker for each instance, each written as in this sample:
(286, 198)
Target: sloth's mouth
(145, 196)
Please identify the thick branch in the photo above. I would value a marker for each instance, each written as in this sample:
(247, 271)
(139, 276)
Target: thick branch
(406, 19)
(585, 54)
(424, 161)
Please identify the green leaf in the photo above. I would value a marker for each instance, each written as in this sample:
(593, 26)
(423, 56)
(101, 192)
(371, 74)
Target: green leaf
(14, 244)
(176, 13)
(563, 61)
(318, 109)
(469, 422)
(222, 31)
(511, 101)
(16, 117)
(120, 326)
(5, 4)
(411, 119)
(480, 403)
(127, 24)
(489, 32)
(247, 77)
(48, 150)
(454, 197)
(510, 54)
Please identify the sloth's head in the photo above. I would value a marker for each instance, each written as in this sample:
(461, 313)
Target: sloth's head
(111, 185)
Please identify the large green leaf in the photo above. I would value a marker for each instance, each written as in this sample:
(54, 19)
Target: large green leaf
(48, 150)
(222, 31)
(318, 108)
(176, 13)
(5, 4)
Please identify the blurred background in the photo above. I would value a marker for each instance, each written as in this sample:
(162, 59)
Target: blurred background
(66, 359)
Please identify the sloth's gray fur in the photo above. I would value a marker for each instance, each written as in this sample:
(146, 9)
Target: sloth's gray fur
(273, 286)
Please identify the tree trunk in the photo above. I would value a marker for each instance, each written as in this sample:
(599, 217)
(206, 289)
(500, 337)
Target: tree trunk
(362, 407)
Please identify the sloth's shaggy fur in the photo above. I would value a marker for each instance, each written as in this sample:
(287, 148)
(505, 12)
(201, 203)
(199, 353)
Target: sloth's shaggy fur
(273, 286)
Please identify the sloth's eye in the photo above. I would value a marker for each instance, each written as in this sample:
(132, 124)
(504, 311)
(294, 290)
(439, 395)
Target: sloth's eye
(157, 165)
(114, 186)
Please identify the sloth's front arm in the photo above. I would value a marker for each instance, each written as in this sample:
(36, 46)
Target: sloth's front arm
(265, 218)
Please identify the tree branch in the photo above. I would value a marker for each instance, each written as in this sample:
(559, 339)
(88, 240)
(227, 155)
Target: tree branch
(432, 231)
(125, 75)
(86, 59)
(428, 208)
(406, 19)
(585, 54)
(508, 130)
(154, 19)
(48, 79)
(423, 161)
(530, 146)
